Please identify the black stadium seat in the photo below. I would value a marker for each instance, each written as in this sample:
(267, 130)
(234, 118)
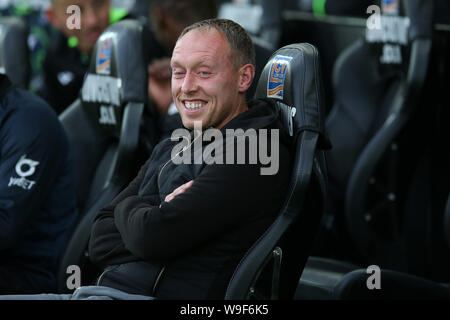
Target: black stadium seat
(375, 98)
(379, 84)
(394, 285)
(272, 267)
(373, 193)
(103, 128)
(14, 51)
(262, 55)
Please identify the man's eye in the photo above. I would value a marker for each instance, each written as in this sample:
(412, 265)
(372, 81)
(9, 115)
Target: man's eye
(204, 73)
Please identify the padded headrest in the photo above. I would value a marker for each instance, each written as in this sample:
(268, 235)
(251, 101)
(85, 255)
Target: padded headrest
(14, 51)
(117, 73)
(394, 24)
(421, 14)
(292, 78)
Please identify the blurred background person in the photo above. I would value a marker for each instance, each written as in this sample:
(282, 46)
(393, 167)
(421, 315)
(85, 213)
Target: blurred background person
(67, 58)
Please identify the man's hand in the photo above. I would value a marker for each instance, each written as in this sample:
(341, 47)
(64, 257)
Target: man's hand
(178, 191)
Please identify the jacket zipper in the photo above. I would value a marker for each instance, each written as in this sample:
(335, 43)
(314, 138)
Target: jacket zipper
(182, 150)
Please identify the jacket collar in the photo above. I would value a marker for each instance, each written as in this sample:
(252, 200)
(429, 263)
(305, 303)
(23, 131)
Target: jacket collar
(260, 114)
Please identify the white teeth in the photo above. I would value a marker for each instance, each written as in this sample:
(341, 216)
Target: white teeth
(193, 106)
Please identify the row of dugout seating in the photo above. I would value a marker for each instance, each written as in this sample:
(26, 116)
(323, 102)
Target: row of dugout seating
(388, 185)
(298, 219)
(103, 126)
(388, 192)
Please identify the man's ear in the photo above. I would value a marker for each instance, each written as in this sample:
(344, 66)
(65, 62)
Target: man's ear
(246, 76)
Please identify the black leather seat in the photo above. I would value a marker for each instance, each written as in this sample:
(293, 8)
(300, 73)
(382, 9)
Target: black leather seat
(103, 126)
(14, 51)
(393, 284)
(262, 55)
(375, 167)
(272, 267)
(375, 102)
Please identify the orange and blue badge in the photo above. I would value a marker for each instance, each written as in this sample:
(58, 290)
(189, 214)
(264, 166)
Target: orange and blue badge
(390, 7)
(104, 56)
(277, 75)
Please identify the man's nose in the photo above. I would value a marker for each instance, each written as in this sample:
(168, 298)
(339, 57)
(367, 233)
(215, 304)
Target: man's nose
(189, 83)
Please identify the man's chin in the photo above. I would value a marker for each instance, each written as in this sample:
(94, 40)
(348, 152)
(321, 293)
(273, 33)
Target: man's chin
(192, 124)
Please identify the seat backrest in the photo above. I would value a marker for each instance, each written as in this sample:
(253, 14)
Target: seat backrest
(112, 94)
(377, 84)
(273, 265)
(14, 51)
(262, 55)
(103, 126)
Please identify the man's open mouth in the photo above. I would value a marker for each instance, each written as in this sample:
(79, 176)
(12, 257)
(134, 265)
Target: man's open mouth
(193, 105)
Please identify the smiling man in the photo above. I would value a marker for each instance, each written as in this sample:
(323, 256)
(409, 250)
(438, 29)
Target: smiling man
(67, 59)
(190, 224)
(178, 231)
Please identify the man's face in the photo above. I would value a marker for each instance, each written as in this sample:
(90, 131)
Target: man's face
(94, 20)
(205, 84)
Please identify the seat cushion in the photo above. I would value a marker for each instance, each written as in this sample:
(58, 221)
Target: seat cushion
(320, 276)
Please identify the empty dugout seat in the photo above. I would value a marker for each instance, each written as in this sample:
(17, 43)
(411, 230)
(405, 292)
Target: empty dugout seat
(375, 98)
(103, 126)
(393, 284)
(378, 87)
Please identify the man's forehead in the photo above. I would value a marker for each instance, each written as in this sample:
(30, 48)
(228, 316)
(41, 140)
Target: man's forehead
(200, 41)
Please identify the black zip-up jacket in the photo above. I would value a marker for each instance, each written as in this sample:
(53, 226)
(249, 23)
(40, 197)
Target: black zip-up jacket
(201, 234)
(37, 192)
